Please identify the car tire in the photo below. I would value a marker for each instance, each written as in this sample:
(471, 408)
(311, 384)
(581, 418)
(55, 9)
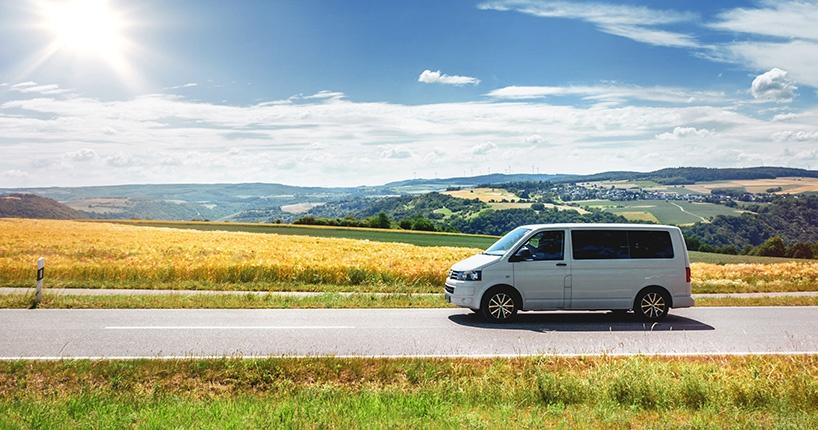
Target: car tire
(499, 305)
(652, 304)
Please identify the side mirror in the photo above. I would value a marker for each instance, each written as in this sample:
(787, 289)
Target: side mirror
(521, 255)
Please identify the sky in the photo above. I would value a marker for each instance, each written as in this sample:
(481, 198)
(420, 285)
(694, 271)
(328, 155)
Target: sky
(345, 93)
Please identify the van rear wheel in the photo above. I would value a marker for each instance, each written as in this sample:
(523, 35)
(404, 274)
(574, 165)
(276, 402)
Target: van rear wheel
(499, 305)
(652, 304)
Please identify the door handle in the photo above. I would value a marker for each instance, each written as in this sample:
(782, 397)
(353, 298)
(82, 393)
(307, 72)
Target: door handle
(561, 264)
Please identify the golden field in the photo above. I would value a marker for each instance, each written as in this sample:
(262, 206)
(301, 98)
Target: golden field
(85, 251)
(94, 254)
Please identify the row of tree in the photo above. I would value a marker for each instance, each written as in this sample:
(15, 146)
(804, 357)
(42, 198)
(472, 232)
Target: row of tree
(381, 220)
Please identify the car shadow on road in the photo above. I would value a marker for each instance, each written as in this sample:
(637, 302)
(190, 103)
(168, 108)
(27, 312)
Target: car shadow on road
(585, 321)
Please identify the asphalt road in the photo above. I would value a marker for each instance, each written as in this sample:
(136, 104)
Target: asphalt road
(118, 333)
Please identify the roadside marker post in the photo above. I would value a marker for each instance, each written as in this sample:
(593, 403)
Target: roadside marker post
(38, 294)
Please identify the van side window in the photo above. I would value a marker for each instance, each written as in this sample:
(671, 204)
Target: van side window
(599, 244)
(621, 244)
(545, 245)
(650, 244)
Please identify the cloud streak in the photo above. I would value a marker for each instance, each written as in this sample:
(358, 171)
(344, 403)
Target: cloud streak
(637, 23)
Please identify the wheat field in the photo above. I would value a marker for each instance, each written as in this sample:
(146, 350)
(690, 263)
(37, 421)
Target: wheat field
(84, 251)
(92, 254)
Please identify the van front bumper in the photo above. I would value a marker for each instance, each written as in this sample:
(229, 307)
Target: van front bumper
(461, 295)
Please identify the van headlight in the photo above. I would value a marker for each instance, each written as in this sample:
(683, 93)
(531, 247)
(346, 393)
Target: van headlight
(471, 275)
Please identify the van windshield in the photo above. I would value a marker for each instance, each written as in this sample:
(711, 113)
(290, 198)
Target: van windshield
(506, 242)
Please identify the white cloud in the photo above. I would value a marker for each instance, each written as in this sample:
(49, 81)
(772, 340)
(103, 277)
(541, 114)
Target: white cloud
(783, 34)
(483, 148)
(795, 135)
(773, 85)
(616, 93)
(83, 154)
(325, 95)
(161, 139)
(396, 153)
(797, 57)
(185, 85)
(684, 132)
(429, 77)
(785, 116)
(786, 19)
(34, 88)
(637, 23)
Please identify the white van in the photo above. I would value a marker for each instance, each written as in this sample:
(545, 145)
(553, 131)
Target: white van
(615, 267)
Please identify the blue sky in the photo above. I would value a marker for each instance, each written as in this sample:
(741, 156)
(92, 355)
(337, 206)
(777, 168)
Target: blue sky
(362, 92)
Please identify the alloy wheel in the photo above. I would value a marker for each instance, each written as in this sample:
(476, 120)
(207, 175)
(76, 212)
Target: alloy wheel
(501, 306)
(653, 305)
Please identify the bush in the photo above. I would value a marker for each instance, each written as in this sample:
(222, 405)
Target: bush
(800, 250)
(772, 247)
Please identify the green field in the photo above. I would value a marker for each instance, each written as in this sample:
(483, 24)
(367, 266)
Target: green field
(402, 236)
(334, 393)
(675, 212)
(377, 235)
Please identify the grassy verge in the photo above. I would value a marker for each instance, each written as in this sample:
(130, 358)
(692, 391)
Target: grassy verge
(384, 287)
(712, 392)
(231, 301)
(758, 301)
(328, 300)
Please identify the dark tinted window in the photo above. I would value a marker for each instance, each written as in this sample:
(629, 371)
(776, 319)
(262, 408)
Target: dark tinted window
(650, 244)
(599, 244)
(621, 244)
(545, 245)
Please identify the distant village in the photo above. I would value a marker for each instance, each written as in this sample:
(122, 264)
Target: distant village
(572, 192)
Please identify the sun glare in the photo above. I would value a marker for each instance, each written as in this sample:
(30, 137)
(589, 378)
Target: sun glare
(87, 30)
(87, 27)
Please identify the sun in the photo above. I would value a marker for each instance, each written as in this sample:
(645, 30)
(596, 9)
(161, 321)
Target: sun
(88, 31)
(86, 27)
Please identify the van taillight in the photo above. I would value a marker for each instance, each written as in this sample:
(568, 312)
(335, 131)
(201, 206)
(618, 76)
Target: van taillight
(687, 274)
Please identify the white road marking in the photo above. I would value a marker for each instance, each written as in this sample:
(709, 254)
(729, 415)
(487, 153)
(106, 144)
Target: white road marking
(230, 327)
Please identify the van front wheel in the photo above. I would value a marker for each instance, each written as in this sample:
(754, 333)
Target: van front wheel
(652, 304)
(499, 305)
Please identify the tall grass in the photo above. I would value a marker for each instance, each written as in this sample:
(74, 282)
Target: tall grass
(606, 392)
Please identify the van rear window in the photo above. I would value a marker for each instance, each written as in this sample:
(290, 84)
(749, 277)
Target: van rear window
(620, 244)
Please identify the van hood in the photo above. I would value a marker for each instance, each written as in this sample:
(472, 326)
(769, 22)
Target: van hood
(475, 262)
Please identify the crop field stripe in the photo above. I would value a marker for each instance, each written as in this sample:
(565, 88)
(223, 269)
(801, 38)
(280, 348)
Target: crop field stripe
(377, 235)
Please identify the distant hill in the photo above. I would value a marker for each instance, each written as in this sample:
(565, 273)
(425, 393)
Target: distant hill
(20, 205)
(263, 201)
(690, 175)
(794, 219)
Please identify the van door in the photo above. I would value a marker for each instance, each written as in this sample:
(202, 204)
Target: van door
(540, 270)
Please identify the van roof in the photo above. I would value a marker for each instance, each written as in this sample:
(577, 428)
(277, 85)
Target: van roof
(603, 225)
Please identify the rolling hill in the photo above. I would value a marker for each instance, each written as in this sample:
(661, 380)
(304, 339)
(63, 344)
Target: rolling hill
(19, 205)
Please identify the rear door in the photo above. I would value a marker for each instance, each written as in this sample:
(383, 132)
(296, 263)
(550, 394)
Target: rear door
(541, 269)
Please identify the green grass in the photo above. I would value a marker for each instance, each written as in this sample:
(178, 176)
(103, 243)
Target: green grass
(416, 238)
(667, 212)
(604, 392)
(757, 301)
(223, 301)
(713, 258)
(378, 235)
(325, 301)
